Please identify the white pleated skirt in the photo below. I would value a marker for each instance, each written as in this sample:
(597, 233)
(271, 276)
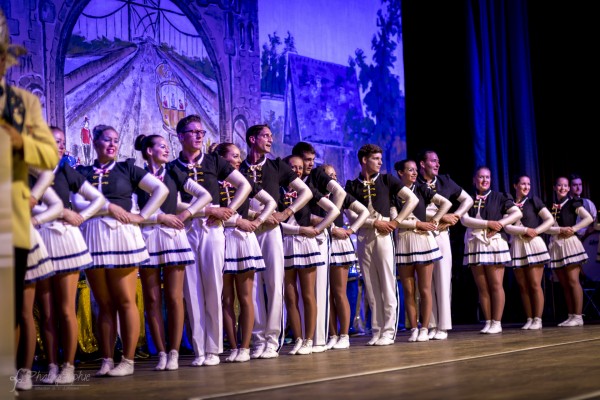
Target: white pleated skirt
(301, 252)
(66, 247)
(39, 263)
(113, 244)
(342, 252)
(242, 252)
(564, 252)
(526, 251)
(480, 250)
(416, 248)
(167, 246)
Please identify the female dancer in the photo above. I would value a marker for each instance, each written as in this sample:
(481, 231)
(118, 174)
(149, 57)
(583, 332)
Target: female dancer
(342, 256)
(169, 248)
(242, 257)
(486, 248)
(528, 250)
(566, 250)
(302, 258)
(416, 247)
(116, 244)
(39, 267)
(70, 255)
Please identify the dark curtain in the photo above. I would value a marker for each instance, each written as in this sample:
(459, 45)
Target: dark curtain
(500, 89)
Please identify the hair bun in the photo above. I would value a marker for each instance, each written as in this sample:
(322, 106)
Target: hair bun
(139, 142)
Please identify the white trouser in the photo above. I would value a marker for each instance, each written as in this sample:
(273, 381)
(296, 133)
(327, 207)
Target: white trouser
(203, 287)
(376, 257)
(441, 288)
(269, 320)
(322, 294)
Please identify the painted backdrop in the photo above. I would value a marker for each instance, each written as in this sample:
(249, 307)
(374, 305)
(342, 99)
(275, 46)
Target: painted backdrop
(330, 73)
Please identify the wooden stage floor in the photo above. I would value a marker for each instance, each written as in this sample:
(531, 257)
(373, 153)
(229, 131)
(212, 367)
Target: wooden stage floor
(554, 363)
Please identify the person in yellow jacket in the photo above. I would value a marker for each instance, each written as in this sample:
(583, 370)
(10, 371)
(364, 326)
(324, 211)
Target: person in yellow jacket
(32, 146)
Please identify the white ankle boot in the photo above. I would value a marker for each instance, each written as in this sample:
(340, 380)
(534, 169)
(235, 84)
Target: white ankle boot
(67, 375)
(23, 379)
(162, 361)
(124, 368)
(495, 327)
(486, 327)
(536, 324)
(107, 365)
(172, 361)
(576, 320)
(50, 377)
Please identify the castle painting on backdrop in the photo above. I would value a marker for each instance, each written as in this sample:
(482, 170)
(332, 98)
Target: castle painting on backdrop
(142, 66)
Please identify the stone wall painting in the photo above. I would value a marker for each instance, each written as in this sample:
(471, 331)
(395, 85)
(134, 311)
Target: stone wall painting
(139, 69)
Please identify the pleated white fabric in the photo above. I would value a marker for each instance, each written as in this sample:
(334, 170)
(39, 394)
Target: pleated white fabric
(526, 251)
(39, 264)
(66, 247)
(416, 247)
(567, 251)
(301, 252)
(113, 244)
(342, 252)
(167, 246)
(481, 250)
(242, 252)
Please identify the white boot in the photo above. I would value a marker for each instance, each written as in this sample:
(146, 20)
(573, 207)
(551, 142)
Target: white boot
(50, 377)
(296, 347)
(495, 327)
(536, 324)
(486, 327)
(162, 361)
(567, 320)
(107, 365)
(333, 339)
(67, 375)
(342, 343)
(577, 320)
(172, 361)
(124, 368)
(24, 379)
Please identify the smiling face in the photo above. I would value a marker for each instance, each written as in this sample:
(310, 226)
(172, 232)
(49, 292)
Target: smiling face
(233, 156)
(409, 173)
(297, 165)
(522, 187)
(61, 144)
(561, 187)
(107, 146)
(430, 166)
(159, 151)
(482, 180)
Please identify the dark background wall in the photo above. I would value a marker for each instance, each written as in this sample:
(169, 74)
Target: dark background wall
(564, 67)
(563, 43)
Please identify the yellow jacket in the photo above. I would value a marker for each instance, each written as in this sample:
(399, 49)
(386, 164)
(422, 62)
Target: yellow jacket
(39, 151)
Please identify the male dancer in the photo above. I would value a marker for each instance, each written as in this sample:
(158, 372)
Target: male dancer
(375, 248)
(204, 280)
(269, 321)
(441, 313)
(326, 186)
(576, 190)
